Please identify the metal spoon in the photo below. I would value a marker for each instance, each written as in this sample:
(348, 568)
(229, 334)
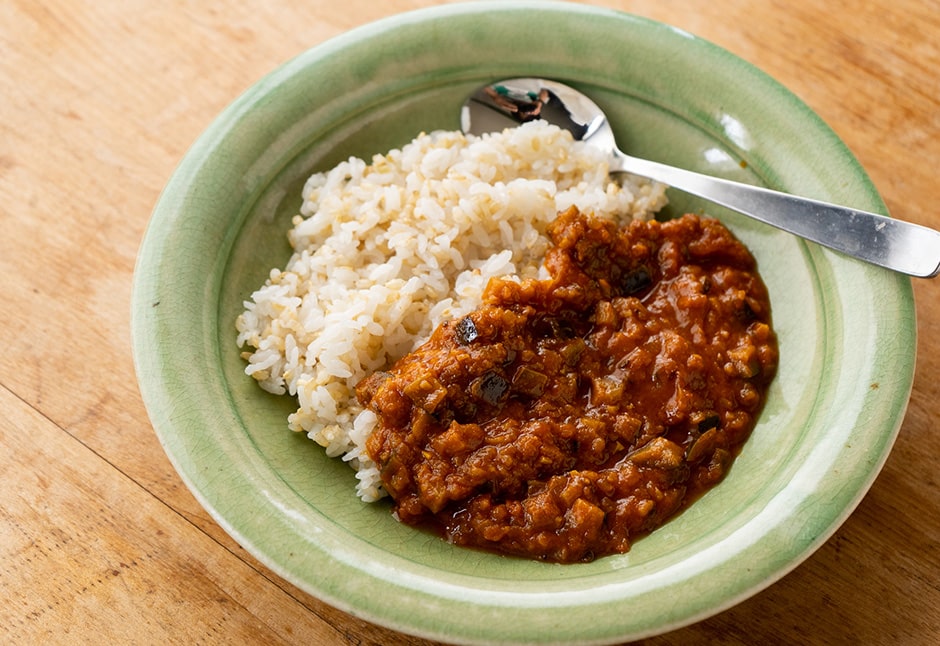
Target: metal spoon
(900, 246)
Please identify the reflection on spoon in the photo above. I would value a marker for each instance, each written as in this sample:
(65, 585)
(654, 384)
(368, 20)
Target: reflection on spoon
(894, 244)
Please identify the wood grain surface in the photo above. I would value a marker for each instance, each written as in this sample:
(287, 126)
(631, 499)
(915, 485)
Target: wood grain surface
(100, 540)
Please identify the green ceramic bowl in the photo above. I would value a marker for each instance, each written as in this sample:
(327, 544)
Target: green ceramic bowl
(846, 330)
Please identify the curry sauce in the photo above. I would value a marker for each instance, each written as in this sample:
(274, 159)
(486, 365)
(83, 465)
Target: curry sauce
(567, 416)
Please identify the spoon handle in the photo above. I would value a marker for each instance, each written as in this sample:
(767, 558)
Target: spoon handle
(894, 244)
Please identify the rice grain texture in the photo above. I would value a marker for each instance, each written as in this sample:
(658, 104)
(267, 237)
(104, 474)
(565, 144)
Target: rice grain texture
(385, 251)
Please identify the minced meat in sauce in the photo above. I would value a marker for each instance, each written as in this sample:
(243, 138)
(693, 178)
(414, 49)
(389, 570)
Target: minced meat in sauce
(567, 416)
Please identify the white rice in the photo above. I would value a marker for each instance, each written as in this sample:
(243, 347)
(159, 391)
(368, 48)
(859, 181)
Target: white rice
(387, 250)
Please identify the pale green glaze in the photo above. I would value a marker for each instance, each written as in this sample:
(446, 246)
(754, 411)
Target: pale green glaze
(847, 330)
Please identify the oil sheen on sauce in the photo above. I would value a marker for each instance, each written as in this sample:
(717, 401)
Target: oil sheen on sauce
(567, 416)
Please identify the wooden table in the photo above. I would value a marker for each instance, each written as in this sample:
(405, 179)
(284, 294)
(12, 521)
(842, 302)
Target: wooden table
(100, 540)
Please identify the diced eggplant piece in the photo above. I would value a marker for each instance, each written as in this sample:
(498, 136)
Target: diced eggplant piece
(466, 331)
(491, 388)
(636, 280)
(529, 382)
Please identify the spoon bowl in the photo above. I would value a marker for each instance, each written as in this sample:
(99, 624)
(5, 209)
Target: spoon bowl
(871, 237)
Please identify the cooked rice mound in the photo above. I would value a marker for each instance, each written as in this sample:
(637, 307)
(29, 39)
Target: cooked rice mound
(385, 251)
